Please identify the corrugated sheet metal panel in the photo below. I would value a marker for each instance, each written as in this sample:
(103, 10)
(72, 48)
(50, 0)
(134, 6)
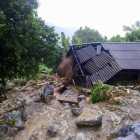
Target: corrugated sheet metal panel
(106, 73)
(91, 67)
(85, 54)
(102, 59)
(121, 46)
(129, 64)
(125, 55)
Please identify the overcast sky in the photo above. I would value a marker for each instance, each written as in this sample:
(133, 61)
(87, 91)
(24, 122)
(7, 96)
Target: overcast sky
(106, 16)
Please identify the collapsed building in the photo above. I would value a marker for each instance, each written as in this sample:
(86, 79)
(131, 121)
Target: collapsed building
(106, 62)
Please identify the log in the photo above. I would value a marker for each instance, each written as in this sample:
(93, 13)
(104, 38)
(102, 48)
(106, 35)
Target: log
(70, 102)
(11, 109)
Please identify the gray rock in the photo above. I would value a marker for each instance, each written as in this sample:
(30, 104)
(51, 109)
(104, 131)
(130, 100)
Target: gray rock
(80, 136)
(51, 131)
(129, 132)
(56, 84)
(135, 92)
(89, 118)
(67, 106)
(19, 115)
(82, 104)
(48, 90)
(30, 89)
(6, 131)
(81, 97)
(76, 111)
(66, 137)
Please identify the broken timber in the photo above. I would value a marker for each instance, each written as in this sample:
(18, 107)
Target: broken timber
(70, 102)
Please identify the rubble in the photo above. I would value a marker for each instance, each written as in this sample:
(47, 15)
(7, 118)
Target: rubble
(51, 131)
(66, 137)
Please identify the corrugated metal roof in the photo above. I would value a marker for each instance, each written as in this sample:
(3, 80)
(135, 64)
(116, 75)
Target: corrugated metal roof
(105, 64)
(125, 55)
(121, 46)
(129, 64)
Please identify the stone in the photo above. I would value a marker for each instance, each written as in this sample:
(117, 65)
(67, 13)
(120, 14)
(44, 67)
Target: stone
(29, 89)
(82, 104)
(89, 118)
(76, 111)
(56, 84)
(67, 106)
(6, 131)
(80, 136)
(66, 137)
(135, 92)
(48, 90)
(81, 97)
(23, 83)
(129, 132)
(51, 131)
(34, 136)
(19, 115)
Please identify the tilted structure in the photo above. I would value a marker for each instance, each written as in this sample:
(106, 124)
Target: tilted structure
(101, 61)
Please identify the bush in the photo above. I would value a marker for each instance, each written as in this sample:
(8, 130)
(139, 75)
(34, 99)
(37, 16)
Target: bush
(44, 69)
(99, 92)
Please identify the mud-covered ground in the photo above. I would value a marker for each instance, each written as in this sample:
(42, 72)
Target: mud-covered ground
(40, 114)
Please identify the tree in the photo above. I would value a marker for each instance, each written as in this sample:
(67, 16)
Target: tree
(117, 38)
(87, 35)
(25, 40)
(133, 36)
(133, 27)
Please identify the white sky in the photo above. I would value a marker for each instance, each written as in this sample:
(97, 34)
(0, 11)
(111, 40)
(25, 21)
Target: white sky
(106, 16)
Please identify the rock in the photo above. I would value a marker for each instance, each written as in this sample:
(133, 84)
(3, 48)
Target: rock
(19, 115)
(34, 136)
(23, 83)
(76, 111)
(81, 97)
(80, 136)
(29, 89)
(129, 132)
(10, 85)
(66, 137)
(6, 131)
(89, 118)
(135, 92)
(82, 104)
(56, 84)
(67, 106)
(48, 90)
(51, 131)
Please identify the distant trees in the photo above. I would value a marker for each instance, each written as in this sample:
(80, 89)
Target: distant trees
(117, 38)
(87, 35)
(25, 40)
(132, 34)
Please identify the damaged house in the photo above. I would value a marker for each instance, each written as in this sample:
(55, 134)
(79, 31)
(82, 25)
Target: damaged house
(110, 63)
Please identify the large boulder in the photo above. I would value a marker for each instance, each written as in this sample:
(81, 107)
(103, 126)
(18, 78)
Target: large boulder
(48, 90)
(129, 132)
(19, 116)
(89, 118)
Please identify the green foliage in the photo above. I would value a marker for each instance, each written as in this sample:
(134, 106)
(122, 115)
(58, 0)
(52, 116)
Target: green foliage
(117, 38)
(65, 43)
(79, 40)
(9, 123)
(25, 40)
(99, 92)
(133, 36)
(87, 35)
(44, 69)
